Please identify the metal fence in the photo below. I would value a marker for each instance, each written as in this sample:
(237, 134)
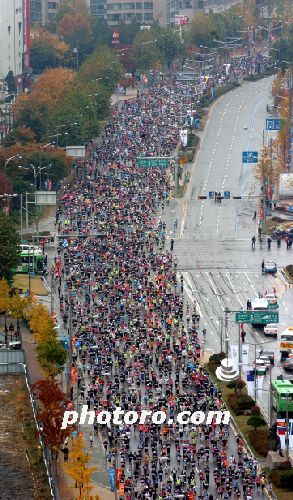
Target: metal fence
(10, 362)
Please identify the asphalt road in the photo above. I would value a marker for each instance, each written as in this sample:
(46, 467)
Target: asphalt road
(213, 242)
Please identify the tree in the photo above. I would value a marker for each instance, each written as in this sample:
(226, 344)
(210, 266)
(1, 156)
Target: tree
(77, 32)
(51, 356)
(53, 404)
(77, 468)
(10, 80)
(32, 109)
(17, 307)
(9, 248)
(202, 30)
(168, 44)
(102, 66)
(72, 7)
(47, 51)
(146, 51)
(4, 298)
(256, 421)
(41, 323)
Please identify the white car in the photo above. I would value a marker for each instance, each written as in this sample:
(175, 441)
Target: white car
(271, 298)
(265, 360)
(271, 329)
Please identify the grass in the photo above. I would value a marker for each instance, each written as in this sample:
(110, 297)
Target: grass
(21, 281)
(179, 193)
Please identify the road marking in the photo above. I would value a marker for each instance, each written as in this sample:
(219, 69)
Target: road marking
(214, 290)
(251, 284)
(240, 302)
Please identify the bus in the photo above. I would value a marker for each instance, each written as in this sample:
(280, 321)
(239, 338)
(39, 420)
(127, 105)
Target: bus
(282, 395)
(286, 342)
(31, 258)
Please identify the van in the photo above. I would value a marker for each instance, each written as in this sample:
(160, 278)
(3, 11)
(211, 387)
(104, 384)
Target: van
(14, 346)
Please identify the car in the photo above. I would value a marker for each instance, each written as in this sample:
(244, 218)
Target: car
(263, 360)
(271, 329)
(271, 298)
(269, 353)
(288, 365)
(270, 267)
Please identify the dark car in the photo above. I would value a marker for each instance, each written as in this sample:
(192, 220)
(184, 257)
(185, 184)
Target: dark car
(288, 365)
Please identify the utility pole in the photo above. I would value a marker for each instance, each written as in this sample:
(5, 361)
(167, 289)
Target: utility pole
(52, 293)
(26, 210)
(255, 391)
(239, 350)
(226, 312)
(287, 430)
(221, 333)
(21, 217)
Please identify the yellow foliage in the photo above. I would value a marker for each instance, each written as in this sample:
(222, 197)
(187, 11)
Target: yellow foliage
(18, 305)
(4, 296)
(77, 468)
(41, 323)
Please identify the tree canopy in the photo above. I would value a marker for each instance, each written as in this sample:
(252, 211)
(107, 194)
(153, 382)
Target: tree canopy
(9, 248)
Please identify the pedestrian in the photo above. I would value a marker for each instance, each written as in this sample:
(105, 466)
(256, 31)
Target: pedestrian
(243, 335)
(248, 305)
(279, 240)
(259, 231)
(263, 267)
(253, 239)
(172, 244)
(254, 215)
(91, 439)
(269, 243)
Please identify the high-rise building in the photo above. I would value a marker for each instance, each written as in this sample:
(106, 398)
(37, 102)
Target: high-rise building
(43, 11)
(14, 41)
(127, 12)
(98, 8)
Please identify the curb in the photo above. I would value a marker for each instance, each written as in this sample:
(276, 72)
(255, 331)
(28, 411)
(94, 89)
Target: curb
(289, 280)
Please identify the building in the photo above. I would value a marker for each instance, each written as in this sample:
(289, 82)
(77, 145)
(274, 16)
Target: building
(14, 42)
(127, 12)
(43, 11)
(98, 8)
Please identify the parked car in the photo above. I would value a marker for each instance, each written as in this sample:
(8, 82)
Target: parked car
(270, 267)
(268, 353)
(288, 365)
(271, 329)
(271, 298)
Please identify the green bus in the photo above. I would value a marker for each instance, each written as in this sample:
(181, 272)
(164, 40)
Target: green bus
(282, 395)
(31, 258)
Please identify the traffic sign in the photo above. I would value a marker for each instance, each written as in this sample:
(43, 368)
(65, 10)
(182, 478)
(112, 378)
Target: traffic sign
(260, 317)
(158, 162)
(211, 195)
(249, 157)
(273, 124)
(227, 195)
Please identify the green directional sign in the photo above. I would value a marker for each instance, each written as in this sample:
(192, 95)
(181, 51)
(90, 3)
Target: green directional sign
(256, 317)
(148, 162)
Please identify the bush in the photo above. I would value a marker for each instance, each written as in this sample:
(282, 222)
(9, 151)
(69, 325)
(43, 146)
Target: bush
(256, 421)
(282, 478)
(260, 441)
(245, 403)
(255, 410)
(289, 270)
(215, 361)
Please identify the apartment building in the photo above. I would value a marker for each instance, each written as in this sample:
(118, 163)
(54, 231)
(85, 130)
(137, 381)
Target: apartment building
(43, 11)
(14, 41)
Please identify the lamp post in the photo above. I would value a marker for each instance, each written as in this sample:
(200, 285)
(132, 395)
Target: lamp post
(17, 156)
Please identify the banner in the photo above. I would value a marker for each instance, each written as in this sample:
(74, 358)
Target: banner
(245, 355)
(282, 431)
(234, 356)
(250, 382)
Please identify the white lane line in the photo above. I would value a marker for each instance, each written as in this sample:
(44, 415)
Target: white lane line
(234, 291)
(214, 290)
(250, 283)
(189, 288)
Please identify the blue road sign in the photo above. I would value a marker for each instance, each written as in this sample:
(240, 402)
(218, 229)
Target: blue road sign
(273, 124)
(249, 157)
(211, 195)
(227, 195)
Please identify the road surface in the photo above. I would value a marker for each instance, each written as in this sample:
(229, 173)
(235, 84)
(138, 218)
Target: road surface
(213, 242)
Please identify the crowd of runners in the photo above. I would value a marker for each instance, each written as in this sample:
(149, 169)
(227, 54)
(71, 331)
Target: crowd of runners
(136, 339)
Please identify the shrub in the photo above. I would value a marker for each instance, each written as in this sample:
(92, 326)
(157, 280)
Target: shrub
(255, 410)
(256, 421)
(282, 478)
(245, 403)
(215, 361)
(260, 441)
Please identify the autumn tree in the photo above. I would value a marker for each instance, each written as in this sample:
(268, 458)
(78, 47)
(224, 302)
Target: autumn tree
(201, 30)
(41, 323)
(47, 50)
(77, 468)
(17, 308)
(146, 51)
(9, 248)
(51, 356)
(53, 403)
(4, 298)
(76, 30)
(32, 109)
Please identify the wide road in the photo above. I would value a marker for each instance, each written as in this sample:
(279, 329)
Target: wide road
(213, 242)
